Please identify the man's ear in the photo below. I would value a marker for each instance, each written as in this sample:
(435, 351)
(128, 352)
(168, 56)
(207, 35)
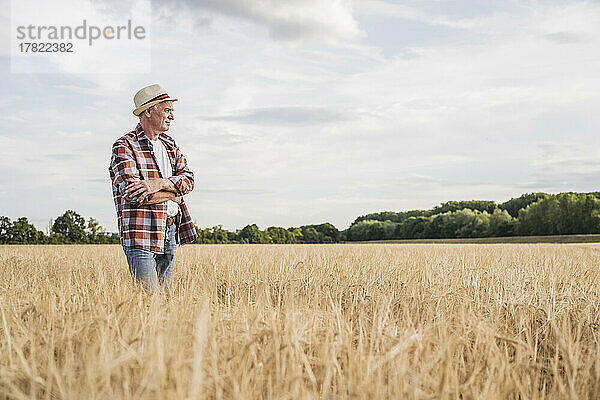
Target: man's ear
(145, 113)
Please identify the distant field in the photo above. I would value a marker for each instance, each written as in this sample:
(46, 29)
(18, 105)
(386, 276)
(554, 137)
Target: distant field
(349, 321)
(508, 239)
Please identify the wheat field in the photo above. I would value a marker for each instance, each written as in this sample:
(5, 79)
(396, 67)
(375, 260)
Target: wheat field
(370, 321)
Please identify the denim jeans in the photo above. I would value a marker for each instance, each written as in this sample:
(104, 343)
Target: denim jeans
(150, 268)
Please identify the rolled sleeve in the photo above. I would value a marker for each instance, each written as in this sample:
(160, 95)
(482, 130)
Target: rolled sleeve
(183, 177)
(123, 167)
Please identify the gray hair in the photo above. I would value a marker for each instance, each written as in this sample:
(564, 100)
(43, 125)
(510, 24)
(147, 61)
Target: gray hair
(148, 109)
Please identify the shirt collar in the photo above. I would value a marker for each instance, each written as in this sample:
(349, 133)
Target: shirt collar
(141, 136)
(139, 133)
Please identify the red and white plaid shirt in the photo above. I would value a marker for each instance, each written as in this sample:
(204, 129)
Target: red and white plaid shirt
(143, 226)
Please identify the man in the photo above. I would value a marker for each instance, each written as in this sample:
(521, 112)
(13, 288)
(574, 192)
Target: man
(149, 177)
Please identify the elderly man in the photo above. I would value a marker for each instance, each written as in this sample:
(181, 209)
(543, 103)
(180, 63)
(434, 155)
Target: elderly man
(149, 177)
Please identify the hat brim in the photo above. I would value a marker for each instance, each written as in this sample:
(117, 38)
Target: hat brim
(144, 107)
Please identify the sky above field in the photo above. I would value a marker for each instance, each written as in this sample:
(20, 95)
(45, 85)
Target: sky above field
(295, 112)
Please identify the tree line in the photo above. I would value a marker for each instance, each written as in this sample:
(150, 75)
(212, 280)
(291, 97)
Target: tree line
(321, 233)
(69, 228)
(72, 228)
(530, 214)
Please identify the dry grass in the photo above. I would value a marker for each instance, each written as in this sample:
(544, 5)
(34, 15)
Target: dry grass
(303, 322)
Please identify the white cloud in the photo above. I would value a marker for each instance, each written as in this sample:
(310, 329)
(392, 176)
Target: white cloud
(294, 20)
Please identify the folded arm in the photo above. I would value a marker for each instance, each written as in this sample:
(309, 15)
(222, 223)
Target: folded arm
(123, 167)
(127, 178)
(160, 197)
(144, 189)
(183, 177)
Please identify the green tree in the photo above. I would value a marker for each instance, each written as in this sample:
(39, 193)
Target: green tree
(578, 213)
(472, 223)
(22, 232)
(219, 234)
(514, 205)
(393, 216)
(280, 235)
(327, 233)
(203, 235)
(71, 226)
(413, 228)
(539, 218)
(478, 205)
(441, 226)
(251, 234)
(297, 234)
(463, 223)
(95, 232)
(502, 223)
(214, 235)
(5, 225)
(372, 230)
(310, 235)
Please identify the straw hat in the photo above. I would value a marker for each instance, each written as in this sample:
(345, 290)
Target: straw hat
(149, 96)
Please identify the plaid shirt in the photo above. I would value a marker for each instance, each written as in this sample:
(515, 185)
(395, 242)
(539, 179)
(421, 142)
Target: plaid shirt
(143, 226)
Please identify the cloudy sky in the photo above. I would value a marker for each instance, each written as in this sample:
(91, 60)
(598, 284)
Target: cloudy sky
(294, 112)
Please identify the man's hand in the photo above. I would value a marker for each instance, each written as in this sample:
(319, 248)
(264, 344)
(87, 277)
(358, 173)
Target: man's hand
(160, 197)
(142, 189)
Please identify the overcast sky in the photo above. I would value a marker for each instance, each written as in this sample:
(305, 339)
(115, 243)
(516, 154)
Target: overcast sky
(295, 112)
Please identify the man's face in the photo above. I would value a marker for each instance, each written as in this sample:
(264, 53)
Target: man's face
(161, 117)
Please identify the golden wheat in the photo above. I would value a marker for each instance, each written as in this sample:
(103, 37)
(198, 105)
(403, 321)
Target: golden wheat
(303, 322)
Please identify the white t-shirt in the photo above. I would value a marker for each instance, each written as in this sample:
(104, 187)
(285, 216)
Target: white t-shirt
(165, 169)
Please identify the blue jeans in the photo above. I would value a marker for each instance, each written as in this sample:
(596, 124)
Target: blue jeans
(150, 268)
